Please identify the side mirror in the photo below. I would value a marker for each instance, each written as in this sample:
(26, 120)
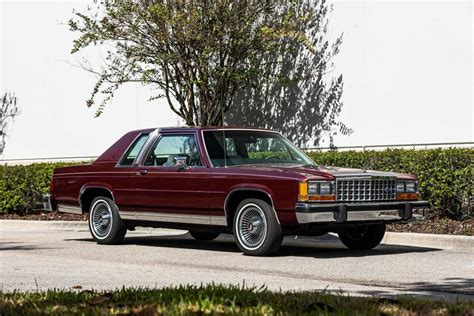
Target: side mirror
(181, 162)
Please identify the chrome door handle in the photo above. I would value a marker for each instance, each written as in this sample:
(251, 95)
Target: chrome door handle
(142, 172)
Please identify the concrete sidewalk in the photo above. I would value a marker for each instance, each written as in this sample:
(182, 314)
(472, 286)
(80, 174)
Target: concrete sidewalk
(452, 242)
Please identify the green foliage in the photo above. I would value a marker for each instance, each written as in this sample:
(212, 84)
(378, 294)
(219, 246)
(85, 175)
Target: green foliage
(22, 187)
(217, 299)
(446, 175)
(197, 54)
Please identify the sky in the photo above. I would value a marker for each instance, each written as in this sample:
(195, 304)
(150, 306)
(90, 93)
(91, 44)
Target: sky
(407, 70)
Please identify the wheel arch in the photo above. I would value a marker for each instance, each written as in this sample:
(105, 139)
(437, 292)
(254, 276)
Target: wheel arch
(237, 195)
(89, 192)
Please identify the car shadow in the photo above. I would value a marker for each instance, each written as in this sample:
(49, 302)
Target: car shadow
(449, 289)
(4, 246)
(326, 246)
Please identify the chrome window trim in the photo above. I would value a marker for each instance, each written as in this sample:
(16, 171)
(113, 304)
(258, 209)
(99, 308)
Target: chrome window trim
(299, 149)
(146, 147)
(122, 157)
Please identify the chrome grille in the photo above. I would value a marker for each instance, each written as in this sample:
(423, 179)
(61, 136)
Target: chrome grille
(366, 189)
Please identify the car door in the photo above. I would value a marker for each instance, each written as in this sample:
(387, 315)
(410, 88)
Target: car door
(171, 183)
(124, 172)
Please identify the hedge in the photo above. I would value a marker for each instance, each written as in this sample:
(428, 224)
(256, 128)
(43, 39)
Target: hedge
(446, 176)
(22, 186)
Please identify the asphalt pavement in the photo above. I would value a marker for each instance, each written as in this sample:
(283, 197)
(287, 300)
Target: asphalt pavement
(38, 256)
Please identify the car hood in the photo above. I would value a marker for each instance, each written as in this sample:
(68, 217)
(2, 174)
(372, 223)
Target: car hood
(315, 171)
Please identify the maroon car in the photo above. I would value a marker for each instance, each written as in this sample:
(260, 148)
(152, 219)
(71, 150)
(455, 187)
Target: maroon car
(252, 183)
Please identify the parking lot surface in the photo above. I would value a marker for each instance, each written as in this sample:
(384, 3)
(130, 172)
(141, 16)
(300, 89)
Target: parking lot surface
(39, 257)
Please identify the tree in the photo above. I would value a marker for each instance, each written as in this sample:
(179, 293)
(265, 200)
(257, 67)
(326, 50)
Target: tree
(8, 111)
(299, 99)
(195, 53)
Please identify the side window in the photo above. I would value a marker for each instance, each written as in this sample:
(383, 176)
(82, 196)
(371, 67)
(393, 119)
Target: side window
(171, 149)
(134, 150)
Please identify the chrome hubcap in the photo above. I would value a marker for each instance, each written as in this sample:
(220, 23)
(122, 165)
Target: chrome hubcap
(252, 226)
(101, 219)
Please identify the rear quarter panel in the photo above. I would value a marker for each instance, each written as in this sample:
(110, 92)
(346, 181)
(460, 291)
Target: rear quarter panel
(69, 181)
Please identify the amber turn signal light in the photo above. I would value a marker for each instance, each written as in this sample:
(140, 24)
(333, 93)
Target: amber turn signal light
(304, 196)
(303, 191)
(408, 196)
(322, 198)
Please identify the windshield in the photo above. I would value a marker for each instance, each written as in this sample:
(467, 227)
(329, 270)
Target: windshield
(245, 147)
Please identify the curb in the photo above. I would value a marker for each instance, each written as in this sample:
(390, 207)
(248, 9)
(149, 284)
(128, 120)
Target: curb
(70, 226)
(26, 225)
(450, 242)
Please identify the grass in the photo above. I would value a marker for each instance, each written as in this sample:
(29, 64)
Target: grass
(216, 299)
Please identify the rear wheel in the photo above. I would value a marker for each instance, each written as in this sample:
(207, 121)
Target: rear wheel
(256, 228)
(203, 235)
(105, 224)
(363, 237)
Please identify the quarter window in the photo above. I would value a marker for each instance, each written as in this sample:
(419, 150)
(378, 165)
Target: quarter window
(171, 149)
(134, 150)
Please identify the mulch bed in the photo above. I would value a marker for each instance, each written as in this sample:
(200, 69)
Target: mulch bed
(44, 216)
(435, 225)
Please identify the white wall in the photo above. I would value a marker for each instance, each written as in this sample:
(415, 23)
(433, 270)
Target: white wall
(407, 69)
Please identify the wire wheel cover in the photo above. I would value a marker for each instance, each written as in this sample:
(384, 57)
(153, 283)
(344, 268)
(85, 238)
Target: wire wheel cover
(252, 226)
(101, 219)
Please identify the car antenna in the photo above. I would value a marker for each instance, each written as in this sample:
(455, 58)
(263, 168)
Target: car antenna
(223, 138)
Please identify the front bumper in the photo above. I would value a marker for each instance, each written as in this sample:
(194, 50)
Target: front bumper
(307, 213)
(47, 206)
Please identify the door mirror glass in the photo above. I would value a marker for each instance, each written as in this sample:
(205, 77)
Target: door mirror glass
(181, 161)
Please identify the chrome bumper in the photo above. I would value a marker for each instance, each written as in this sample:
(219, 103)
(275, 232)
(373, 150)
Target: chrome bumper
(47, 203)
(307, 213)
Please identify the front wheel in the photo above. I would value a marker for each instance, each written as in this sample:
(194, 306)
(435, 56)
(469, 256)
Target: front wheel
(363, 237)
(105, 224)
(256, 228)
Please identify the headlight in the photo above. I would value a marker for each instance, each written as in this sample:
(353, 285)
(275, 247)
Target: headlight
(325, 188)
(317, 191)
(411, 187)
(401, 187)
(312, 188)
(407, 186)
(407, 190)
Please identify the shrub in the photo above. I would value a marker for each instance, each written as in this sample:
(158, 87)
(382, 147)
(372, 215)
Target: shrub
(446, 175)
(22, 186)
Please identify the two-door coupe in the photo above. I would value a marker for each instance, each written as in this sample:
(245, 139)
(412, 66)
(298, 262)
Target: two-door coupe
(249, 182)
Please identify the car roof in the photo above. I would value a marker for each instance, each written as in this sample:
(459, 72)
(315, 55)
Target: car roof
(196, 128)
